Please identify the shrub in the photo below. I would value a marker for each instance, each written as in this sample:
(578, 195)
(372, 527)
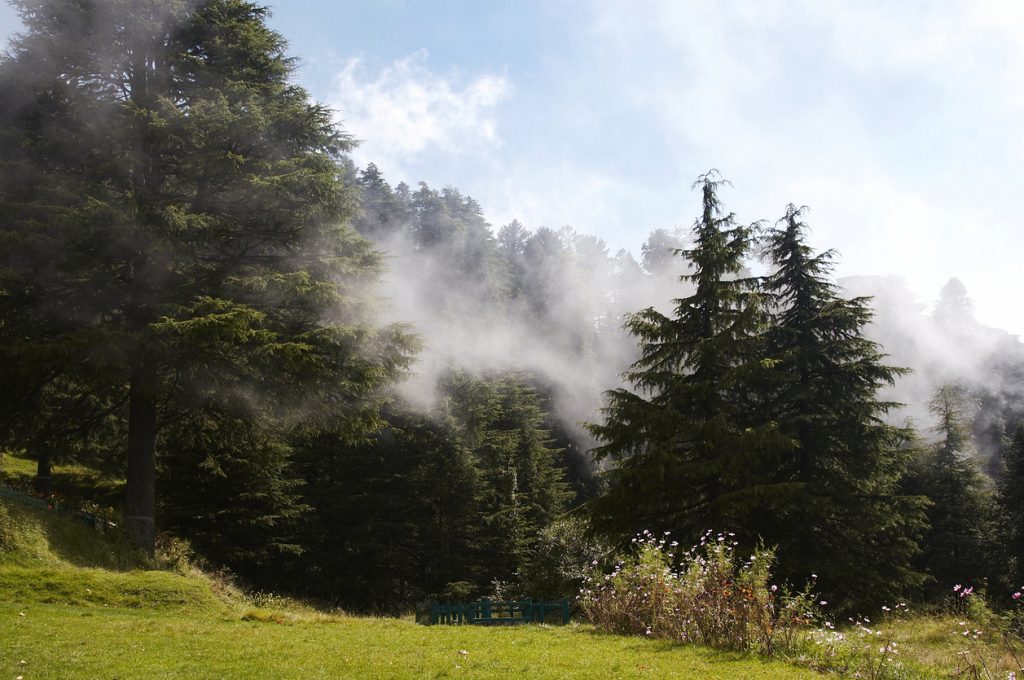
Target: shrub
(706, 596)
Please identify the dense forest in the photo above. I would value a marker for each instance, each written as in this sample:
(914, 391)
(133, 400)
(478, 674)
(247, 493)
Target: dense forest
(367, 394)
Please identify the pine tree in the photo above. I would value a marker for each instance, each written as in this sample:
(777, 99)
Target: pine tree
(523, 487)
(1011, 507)
(957, 545)
(847, 519)
(688, 455)
(395, 519)
(176, 213)
(384, 214)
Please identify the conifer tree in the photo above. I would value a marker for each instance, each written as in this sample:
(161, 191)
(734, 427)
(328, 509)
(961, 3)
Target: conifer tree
(847, 519)
(175, 220)
(689, 453)
(957, 544)
(523, 482)
(395, 519)
(1011, 506)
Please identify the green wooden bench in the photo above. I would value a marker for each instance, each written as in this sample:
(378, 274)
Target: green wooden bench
(490, 613)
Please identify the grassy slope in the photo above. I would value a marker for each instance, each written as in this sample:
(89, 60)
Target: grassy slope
(78, 604)
(75, 604)
(79, 642)
(78, 481)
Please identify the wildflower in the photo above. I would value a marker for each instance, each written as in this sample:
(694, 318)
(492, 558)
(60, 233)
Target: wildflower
(957, 587)
(1016, 595)
(774, 588)
(823, 603)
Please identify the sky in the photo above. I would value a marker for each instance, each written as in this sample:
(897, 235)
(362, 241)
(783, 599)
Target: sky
(901, 125)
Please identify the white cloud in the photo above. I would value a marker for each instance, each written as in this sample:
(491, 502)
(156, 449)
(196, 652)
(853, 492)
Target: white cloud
(899, 124)
(406, 110)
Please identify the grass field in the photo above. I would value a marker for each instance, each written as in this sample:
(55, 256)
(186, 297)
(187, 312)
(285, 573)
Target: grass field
(75, 603)
(57, 641)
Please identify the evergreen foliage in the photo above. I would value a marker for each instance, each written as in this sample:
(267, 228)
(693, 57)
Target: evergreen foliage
(689, 452)
(847, 464)
(394, 519)
(175, 213)
(447, 504)
(523, 487)
(956, 548)
(1011, 507)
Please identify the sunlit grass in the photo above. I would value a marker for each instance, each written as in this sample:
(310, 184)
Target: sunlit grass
(938, 644)
(71, 606)
(75, 603)
(60, 641)
(35, 537)
(72, 480)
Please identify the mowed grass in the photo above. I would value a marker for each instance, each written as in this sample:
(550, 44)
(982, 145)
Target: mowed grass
(58, 641)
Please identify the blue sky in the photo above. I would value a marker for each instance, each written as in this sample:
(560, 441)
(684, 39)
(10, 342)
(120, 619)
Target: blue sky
(900, 124)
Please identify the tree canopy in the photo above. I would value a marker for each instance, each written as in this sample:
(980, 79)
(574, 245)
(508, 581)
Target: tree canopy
(179, 212)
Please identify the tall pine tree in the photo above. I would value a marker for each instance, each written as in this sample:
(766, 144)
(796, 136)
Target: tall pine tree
(1011, 506)
(175, 212)
(847, 519)
(957, 545)
(688, 451)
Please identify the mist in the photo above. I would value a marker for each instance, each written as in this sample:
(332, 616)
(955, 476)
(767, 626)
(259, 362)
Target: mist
(552, 303)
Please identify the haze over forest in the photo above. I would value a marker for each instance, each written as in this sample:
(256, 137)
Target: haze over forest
(899, 125)
(333, 346)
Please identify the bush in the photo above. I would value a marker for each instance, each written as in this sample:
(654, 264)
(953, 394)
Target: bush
(706, 596)
(560, 560)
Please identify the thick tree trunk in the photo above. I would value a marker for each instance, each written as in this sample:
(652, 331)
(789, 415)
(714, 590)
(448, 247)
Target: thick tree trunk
(140, 487)
(43, 482)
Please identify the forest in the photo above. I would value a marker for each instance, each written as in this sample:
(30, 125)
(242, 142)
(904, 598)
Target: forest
(366, 394)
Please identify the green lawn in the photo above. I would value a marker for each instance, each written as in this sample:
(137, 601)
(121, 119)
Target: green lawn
(75, 603)
(78, 604)
(58, 641)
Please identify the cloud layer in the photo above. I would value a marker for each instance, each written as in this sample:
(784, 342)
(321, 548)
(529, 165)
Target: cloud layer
(406, 110)
(900, 125)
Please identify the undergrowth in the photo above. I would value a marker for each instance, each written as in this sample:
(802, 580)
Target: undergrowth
(706, 595)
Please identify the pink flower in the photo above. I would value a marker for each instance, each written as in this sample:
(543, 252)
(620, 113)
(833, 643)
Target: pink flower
(1016, 596)
(956, 588)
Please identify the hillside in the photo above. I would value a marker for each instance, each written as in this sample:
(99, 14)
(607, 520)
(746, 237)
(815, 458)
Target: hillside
(79, 604)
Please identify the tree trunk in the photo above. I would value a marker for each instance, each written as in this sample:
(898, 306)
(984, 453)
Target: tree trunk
(140, 486)
(43, 482)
